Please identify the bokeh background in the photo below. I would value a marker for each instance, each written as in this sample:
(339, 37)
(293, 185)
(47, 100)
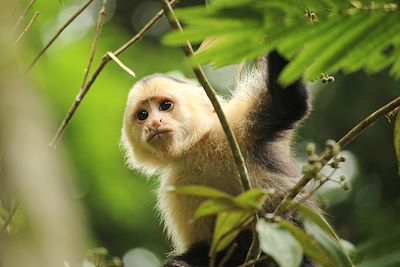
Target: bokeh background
(118, 203)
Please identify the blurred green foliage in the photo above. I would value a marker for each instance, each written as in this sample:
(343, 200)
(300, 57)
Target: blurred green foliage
(120, 203)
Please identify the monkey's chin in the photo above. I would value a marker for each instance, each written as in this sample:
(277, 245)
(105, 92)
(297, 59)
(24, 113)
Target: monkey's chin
(161, 141)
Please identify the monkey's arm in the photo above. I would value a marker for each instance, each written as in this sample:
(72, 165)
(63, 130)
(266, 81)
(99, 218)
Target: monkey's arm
(283, 107)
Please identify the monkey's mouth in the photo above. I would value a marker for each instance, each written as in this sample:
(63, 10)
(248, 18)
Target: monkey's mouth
(158, 134)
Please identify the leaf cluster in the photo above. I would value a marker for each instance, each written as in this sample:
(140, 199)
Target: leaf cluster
(317, 36)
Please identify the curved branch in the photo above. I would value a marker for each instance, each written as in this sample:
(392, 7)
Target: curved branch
(343, 142)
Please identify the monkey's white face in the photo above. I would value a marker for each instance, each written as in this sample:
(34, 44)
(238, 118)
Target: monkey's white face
(154, 119)
(163, 118)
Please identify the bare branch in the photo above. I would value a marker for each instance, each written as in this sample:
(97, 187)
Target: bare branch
(59, 31)
(343, 142)
(23, 15)
(120, 64)
(99, 27)
(188, 50)
(78, 99)
(27, 27)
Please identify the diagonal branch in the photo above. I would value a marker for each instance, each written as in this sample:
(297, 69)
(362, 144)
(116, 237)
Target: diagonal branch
(79, 98)
(59, 31)
(188, 50)
(99, 28)
(343, 142)
(27, 27)
(23, 14)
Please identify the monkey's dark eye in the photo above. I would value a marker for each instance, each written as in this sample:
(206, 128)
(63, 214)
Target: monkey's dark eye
(142, 115)
(165, 105)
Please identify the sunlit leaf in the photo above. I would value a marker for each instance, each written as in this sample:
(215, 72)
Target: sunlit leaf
(215, 206)
(249, 201)
(199, 191)
(318, 219)
(311, 247)
(227, 227)
(331, 245)
(280, 244)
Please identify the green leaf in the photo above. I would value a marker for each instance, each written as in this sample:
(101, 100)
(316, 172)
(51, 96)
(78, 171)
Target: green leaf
(199, 191)
(227, 227)
(247, 202)
(280, 244)
(252, 199)
(311, 52)
(344, 42)
(215, 206)
(332, 246)
(318, 219)
(397, 139)
(311, 247)
(375, 40)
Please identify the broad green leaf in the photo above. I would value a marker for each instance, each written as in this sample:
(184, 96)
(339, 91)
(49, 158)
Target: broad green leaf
(215, 206)
(318, 219)
(199, 191)
(249, 201)
(252, 199)
(228, 225)
(331, 245)
(280, 244)
(311, 247)
(397, 139)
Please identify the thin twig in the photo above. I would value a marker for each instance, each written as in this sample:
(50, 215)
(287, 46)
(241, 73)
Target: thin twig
(23, 14)
(228, 255)
(120, 64)
(99, 27)
(27, 27)
(59, 31)
(254, 251)
(343, 142)
(320, 184)
(252, 262)
(188, 50)
(78, 99)
(9, 218)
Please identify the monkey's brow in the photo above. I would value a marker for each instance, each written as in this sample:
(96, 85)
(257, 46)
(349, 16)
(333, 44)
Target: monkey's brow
(153, 98)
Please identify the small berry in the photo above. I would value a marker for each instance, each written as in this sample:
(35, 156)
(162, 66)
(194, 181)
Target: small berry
(324, 80)
(331, 79)
(310, 149)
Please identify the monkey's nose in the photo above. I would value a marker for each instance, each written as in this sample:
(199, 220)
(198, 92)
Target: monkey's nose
(155, 124)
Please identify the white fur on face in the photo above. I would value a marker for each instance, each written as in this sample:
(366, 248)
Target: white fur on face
(184, 124)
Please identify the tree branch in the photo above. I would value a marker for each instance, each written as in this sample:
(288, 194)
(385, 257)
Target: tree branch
(99, 27)
(188, 50)
(23, 15)
(343, 142)
(81, 95)
(27, 27)
(59, 31)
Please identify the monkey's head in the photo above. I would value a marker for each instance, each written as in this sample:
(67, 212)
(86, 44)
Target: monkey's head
(163, 118)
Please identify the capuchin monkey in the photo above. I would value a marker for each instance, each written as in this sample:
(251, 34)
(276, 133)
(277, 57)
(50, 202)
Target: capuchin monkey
(170, 128)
